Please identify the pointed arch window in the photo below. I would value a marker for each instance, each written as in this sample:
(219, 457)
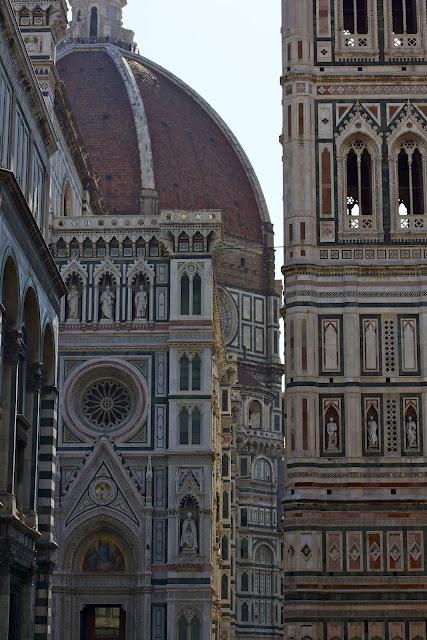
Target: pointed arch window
(93, 34)
(244, 583)
(244, 549)
(67, 200)
(190, 373)
(185, 295)
(358, 182)
(224, 548)
(411, 171)
(225, 465)
(404, 14)
(183, 426)
(195, 426)
(191, 294)
(197, 295)
(184, 373)
(224, 587)
(189, 629)
(355, 16)
(196, 365)
(225, 505)
(359, 160)
(244, 612)
(190, 426)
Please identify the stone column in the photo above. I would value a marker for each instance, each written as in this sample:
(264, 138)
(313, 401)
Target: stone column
(1, 358)
(34, 384)
(4, 595)
(13, 349)
(46, 546)
(43, 610)
(27, 607)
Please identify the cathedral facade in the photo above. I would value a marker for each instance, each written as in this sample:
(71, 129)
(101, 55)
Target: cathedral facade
(355, 118)
(161, 440)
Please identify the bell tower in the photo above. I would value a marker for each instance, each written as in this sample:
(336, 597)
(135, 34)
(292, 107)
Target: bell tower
(355, 278)
(43, 25)
(99, 21)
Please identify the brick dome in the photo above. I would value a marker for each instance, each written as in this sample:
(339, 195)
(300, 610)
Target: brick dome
(149, 133)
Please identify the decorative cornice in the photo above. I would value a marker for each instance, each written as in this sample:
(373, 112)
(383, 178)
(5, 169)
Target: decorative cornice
(21, 210)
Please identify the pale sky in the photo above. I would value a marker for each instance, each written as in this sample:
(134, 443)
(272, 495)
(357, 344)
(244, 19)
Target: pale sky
(229, 51)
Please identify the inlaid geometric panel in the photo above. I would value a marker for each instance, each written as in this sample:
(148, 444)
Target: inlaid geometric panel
(417, 631)
(376, 631)
(415, 551)
(335, 631)
(356, 631)
(334, 552)
(374, 551)
(395, 552)
(354, 551)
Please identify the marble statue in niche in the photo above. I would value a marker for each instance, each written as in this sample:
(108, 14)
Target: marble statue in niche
(140, 303)
(189, 540)
(373, 440)
(411, 433)
(73, 301)
(331, 435)
(106, 300)
(140, 288)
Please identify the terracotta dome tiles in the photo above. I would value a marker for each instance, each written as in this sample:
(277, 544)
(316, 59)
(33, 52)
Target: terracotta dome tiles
(195, 165)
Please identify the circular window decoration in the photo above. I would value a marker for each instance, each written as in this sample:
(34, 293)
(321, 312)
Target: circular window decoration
(105, 397)
(228, 314)
(107, 404)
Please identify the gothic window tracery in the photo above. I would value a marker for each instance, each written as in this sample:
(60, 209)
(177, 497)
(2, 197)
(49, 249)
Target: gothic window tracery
(404, 14)
(244, 612)
(190, 426)
(224, 548)
(189, 627)
(411, 183)
(360, 182)
(101, 248)
(356, 28)
(262, 470)
(355, 17)
(244, 549)
(224, 587)
(408, 183)
(191, 292)
(190, 372)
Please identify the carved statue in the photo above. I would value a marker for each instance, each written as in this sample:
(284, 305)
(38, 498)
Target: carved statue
(411, 433)
(107, 303)
(73, 299)
(189, 534)
(373, 442)
(140, 303)
(332, 431)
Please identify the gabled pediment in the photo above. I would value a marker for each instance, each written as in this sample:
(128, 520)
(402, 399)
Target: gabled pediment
(102, 486)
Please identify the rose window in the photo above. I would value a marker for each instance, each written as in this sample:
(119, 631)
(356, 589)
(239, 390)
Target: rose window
(106, 404)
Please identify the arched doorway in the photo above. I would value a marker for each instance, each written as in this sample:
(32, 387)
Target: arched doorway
(103, 623)
(96, 593)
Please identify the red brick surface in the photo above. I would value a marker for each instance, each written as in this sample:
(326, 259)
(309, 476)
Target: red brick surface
(195, 165)
(103, 111)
